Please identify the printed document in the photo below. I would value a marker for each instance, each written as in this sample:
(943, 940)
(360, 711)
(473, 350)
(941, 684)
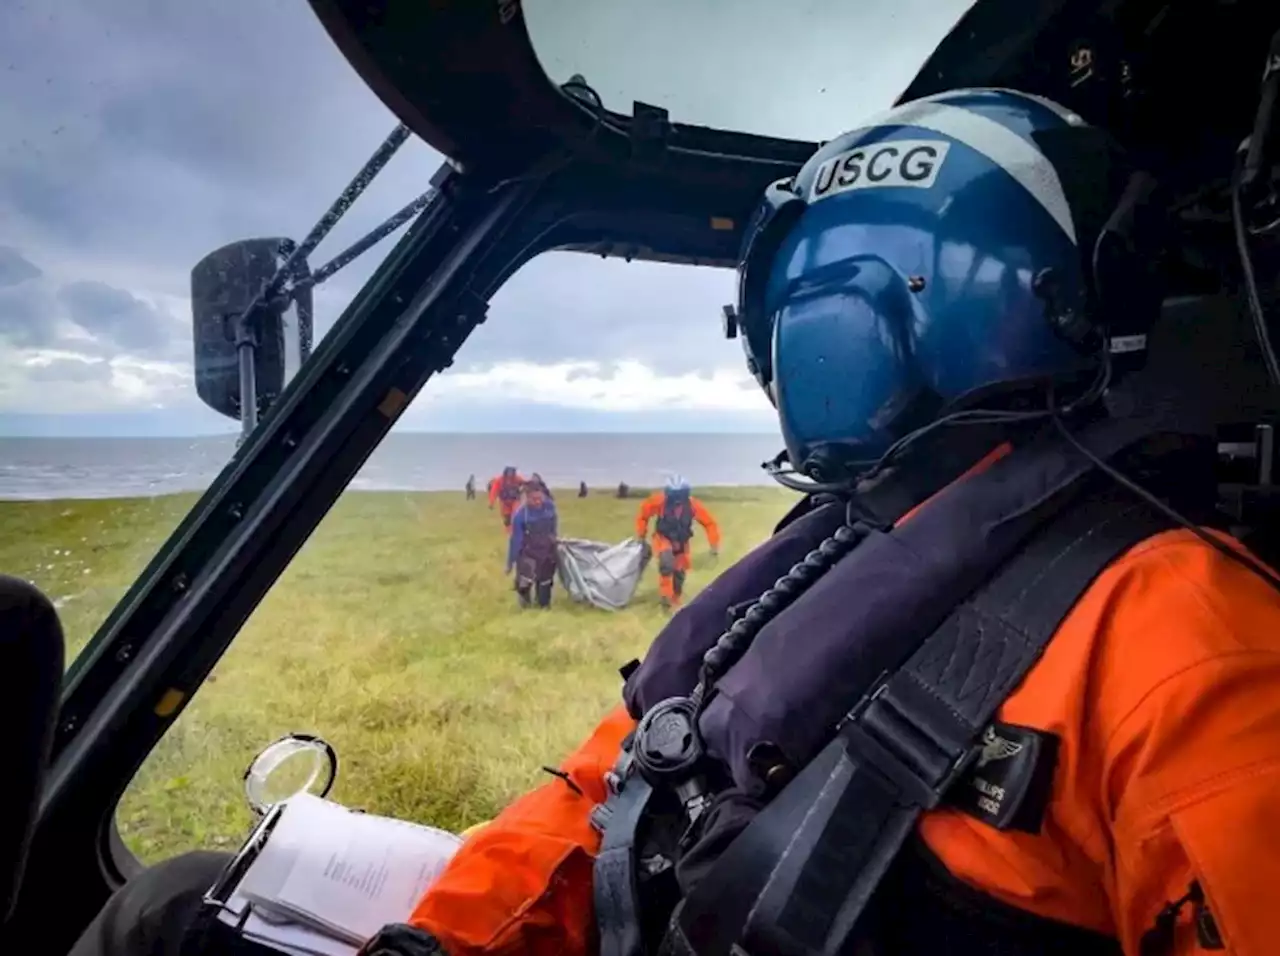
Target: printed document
(329, 876)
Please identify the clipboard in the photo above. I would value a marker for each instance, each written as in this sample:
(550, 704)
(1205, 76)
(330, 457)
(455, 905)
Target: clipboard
(243, 912)
(219, 895)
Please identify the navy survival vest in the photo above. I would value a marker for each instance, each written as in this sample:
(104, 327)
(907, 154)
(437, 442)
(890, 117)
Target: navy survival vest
(867, 697)
(509, 488)
(539, 533)
(676, 521)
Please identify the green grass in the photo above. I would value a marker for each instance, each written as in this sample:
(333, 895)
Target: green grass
(394, 635)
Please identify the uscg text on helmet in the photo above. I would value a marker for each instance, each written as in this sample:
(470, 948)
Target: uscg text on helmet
(903, 162)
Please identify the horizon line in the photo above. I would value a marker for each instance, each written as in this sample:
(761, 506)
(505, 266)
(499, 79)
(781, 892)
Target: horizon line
(417, 431)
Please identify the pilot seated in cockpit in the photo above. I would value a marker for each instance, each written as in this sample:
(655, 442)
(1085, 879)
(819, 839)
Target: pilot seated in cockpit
(1048, 705)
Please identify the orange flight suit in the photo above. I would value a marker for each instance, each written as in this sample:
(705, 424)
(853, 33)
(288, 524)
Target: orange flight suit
(1163, 686)
(673, 556)
(508, 502)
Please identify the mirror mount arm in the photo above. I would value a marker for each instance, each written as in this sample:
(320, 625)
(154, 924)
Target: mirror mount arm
(361, 246)
(359, 183)
(246, 338)
(276, 288)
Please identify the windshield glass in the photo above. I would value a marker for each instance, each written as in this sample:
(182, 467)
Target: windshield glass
(802, 70)
(416, 629)
(138, 138)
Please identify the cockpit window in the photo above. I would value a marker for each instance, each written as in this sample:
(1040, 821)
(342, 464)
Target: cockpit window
(126, 163)
(138, 138)
(803, 70)
(435, 601)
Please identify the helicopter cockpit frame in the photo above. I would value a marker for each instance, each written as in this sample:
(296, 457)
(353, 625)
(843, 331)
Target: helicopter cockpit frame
(535, 166)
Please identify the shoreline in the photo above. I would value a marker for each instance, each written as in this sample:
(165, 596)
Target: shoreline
(566, 491)
(412, 463)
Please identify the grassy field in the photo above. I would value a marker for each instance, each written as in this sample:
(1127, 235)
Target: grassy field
(394, 635)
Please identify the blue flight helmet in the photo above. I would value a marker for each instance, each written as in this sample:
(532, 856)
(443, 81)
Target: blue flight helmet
(963, 250)
(676, 488)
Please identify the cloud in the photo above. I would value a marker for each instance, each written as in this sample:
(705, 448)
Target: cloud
(565, 307)
(145, 136)
(84, 317)
(28, 316)
(15, 268)
(70, 370)
(119, 318)
(139, 136)
(53, 383)
(623, 386)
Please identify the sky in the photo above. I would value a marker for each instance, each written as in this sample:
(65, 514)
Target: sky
(138, 135)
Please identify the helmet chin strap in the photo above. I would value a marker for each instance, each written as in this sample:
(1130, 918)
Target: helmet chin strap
(939, 458)
(915, 474)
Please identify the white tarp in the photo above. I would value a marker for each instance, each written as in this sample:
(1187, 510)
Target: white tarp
(600, 574)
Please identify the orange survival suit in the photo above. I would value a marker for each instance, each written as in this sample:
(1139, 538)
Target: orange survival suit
(674, 510)
(504, 490)
(1161, 685)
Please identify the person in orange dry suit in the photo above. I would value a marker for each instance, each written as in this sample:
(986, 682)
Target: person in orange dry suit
(674, 510)
(504, 490)
(1118, 791)
(1002, 683)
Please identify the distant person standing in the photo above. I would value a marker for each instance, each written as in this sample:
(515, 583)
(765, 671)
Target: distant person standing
(471, 488)
(582, 489)
(675, 510)
(505, 491)
(532, 548)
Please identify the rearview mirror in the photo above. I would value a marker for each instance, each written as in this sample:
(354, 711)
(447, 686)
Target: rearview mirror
(241, 368)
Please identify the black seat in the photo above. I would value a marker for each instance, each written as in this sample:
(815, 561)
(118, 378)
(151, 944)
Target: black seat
(31, 663)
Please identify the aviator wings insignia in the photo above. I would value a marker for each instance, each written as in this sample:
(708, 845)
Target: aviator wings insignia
(995, 747)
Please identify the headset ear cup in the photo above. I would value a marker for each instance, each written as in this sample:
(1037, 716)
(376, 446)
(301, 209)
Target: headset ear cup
(1121, 241)
(1092, 167)
(1075, 326)
(1129, 252)
(1128, 269)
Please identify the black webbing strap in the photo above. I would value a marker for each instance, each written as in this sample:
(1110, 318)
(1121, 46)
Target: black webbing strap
(796, 880)
(615, 889)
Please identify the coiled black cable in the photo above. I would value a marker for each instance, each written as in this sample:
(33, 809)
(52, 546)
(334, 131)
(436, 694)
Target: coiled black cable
(737, 638)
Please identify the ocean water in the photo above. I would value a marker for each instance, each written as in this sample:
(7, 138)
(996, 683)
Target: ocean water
(43, 468)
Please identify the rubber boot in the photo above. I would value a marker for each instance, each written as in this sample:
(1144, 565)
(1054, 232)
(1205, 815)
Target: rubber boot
(544, 595)
(523, 592)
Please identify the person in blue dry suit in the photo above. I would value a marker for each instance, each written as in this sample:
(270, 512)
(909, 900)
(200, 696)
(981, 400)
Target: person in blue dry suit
(531, 549)
(932, 303)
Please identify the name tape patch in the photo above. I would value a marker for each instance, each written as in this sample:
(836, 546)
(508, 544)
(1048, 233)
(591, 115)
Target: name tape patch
(1009, 784)
(904, 162)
